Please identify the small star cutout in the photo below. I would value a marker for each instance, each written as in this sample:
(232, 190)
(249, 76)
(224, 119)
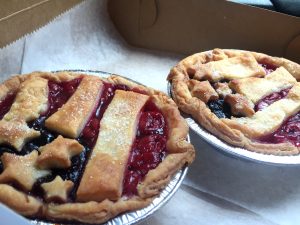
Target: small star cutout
(16, 133)
(58, 153)
(57, 189)
(21, 169)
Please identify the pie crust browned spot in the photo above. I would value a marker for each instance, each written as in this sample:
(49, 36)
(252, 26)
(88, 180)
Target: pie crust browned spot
(257, 104)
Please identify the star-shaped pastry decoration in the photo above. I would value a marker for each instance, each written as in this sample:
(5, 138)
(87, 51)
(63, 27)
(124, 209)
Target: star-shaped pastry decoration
(16, 133)
(58, 153)
(21, 169)
(58, 189)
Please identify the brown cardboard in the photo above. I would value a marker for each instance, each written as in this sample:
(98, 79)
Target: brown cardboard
(196, 25)
(19, 17)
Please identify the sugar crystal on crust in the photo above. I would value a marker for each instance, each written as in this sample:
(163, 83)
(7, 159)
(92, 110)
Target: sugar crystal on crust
(57, 189)
(58, 153)
(110, 154)
(16, 133)
(70, 119)
(21, 169)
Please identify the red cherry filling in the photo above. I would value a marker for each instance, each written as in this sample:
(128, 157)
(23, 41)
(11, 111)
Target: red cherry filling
(151, 123)
(6, 103)
(271, 98)
(90, 132)
(148, 149)
(288, 132)
(268, 67)
(59, 93)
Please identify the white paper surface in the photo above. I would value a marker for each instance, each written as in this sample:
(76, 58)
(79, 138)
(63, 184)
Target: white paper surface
(218, 189)
(8, 217)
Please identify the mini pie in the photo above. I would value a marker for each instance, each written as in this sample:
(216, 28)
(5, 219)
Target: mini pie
(247, 99)
(76, 147)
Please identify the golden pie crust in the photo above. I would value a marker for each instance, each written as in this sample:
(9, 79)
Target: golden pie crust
(179, 153)
(245, 83)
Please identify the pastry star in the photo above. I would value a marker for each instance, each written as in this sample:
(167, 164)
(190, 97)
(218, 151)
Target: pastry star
(21, 169)
(16, 133)
(58, 188)
(58, 153)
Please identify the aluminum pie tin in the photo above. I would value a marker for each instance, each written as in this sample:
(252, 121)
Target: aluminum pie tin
(238, 152)
(134, 217)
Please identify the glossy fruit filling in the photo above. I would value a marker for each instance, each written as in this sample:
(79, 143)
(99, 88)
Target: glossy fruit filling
(89, 134)
(222, 109)
(149, 147)
(148, 150)
(289, 131)
(59, 93)
(271, 98)
(268, 67)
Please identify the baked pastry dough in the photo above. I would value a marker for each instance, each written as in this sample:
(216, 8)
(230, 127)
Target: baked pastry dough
(29, 103)
(58, 153)
(70, 119)
(31, 100)
(257, 103)
(58, 189)
(256, 88)
(244, 65)
(21, 169)
(104, 173)
(130, 141)
(16, 133)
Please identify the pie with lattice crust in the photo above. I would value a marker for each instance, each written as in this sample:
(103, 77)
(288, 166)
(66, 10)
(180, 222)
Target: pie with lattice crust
(76, 147)
(247, 99)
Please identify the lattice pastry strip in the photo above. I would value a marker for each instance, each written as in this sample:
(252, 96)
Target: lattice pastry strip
(104, 172)
(114, 123)
(270, 118)
(30, 102)
(256, 88)
(257, 106)
(241, 66)
(70, 119)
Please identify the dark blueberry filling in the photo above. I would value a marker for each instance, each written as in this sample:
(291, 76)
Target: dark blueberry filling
(59, 93)
(87, 138)
(220, 108)
(4, 148)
